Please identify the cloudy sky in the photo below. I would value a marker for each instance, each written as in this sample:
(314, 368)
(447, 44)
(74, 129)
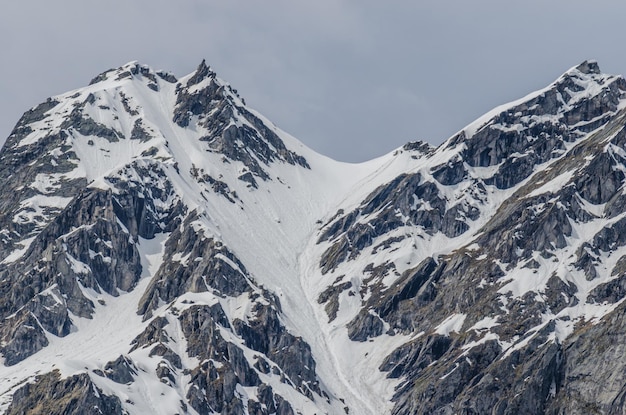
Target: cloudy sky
(352, 79)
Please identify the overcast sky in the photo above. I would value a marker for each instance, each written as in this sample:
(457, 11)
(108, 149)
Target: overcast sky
(351, 79)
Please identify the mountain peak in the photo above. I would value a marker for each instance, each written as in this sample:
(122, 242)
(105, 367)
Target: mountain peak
(516, 137)
(582, 83)
(589, 67)
(251, 282)
(202, 72)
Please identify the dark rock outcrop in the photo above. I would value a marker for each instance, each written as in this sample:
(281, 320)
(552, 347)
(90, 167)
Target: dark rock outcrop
(75, 395)
(249, 142)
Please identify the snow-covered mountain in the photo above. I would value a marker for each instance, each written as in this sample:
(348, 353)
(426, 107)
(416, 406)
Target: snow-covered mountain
(166, 249)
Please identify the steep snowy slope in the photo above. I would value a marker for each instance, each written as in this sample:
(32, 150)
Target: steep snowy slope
(135, 194)
(491, 253)
(165, 249)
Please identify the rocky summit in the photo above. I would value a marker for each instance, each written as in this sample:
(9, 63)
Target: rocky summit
(166, 249)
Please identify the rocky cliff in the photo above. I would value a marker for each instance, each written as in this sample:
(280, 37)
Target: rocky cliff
(167, 249)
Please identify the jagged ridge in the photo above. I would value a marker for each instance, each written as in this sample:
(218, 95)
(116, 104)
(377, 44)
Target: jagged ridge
(469, 278)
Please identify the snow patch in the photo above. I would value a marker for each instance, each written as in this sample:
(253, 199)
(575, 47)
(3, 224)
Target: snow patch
(453, 323)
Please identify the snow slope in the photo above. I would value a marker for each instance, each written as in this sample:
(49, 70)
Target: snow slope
(283, 211)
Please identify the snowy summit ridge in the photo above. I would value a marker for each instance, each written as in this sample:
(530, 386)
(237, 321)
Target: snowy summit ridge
(166, 249)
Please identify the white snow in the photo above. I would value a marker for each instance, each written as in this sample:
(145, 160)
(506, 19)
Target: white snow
(485, 323)
(591, 85)
(273, 231)
(17, 254)
(554, 185)
(453, 323)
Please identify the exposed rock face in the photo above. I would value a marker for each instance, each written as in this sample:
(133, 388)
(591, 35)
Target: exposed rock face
(537, 130)
(405, 201)
(122, 370)
(194, 263)
(213, 387)
(90, 244)
(250, 143)
(165, 249)
(84, 246)
(593, 375)
(508, 298)
(81, 247)
(50, 394)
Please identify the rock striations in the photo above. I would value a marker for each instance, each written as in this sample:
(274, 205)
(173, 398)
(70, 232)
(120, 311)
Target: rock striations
(166, 249)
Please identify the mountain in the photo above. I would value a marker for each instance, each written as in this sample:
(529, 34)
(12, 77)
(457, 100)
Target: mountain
(166, 249)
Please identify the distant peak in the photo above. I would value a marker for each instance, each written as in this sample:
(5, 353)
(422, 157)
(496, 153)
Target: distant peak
(203, 71)
(589, 67)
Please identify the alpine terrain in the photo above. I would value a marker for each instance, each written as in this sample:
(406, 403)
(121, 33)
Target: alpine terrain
(165, 249)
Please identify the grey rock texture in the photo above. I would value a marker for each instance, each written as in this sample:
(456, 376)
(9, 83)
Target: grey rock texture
(121, 370)
(84, 247)
(49, 394)
(214, 382)
(537, 142)
(593, 373)
(203, 270)
(91, 243)
(209, 266)
(250, 143)
(292, 354)
(59, 260)
(517, 360)
(406, 201)
(485, 276)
